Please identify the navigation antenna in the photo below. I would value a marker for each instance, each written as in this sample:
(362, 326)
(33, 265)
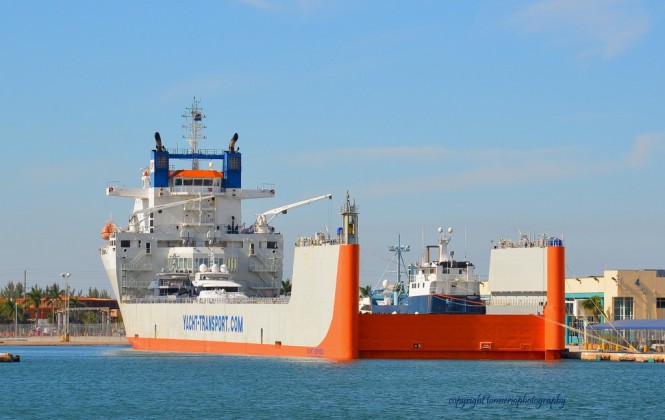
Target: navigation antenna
(194, 125)
(398, 250)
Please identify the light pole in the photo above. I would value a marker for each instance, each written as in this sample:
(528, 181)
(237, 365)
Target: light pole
(66, 277)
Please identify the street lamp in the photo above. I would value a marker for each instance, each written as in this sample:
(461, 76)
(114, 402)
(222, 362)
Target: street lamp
(66, 277)
(15, 317)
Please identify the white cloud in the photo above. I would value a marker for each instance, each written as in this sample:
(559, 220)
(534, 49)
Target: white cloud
(644, 149)
(599, 27)
(421, 169)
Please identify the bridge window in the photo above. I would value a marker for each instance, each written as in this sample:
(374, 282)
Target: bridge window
(197, 182)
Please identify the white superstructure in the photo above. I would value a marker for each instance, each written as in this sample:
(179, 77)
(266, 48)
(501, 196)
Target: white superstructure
(187, 269)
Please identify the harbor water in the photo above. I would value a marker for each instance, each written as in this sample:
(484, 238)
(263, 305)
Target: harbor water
(118, 382)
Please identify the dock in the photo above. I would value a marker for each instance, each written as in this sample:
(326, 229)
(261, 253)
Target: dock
(58, 341)
(612, 356)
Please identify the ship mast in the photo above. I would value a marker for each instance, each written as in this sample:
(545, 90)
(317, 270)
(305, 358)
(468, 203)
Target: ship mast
(194, 125)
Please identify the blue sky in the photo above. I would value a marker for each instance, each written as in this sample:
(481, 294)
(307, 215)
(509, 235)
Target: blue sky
(490, 117)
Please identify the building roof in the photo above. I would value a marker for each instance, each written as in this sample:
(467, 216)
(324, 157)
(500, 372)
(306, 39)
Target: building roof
(632, 324)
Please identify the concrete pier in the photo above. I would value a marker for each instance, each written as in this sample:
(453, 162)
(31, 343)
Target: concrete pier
(613, 356)
(58, 341)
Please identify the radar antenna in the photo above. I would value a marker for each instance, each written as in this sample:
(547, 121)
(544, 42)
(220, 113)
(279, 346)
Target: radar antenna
(194, 125)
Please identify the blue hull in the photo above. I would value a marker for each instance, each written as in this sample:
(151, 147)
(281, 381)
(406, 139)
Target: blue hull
(433, 304)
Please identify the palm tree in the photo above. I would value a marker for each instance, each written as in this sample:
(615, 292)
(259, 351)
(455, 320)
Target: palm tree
(594, 305)
(34, 298)
(12, 291)
(365, 291)
(9, 311)
(53, 295)
(286, 288)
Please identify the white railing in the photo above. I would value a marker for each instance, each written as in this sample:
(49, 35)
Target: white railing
(516, 302)
(225, 300)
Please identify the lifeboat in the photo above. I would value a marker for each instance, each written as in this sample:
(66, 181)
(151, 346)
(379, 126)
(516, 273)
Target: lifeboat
(107, 230)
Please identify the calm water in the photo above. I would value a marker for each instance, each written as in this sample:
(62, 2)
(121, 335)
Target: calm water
(117, 382)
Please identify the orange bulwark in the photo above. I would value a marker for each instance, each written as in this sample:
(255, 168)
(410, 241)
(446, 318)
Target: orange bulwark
(341, 342)
(555, 310)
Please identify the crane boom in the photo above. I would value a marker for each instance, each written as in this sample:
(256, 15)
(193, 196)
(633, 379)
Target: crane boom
(169, 205)
(283, 209)
(261, 225)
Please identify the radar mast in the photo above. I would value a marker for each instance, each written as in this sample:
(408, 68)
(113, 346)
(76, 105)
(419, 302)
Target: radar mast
(194, 126)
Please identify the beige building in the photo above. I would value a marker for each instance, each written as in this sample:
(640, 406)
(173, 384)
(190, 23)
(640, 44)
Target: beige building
(624, 294)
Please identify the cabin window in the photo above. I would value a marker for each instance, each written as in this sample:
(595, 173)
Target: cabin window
(660, 303)
(124, 243)
(206, 260)
(186, 182)
(215, 182)
(178, 182)
(197, 182)
(271, 245)
(147, 247)
(207, 182)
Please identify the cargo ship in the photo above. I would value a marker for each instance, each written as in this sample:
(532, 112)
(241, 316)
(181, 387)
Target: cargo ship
(191, 276)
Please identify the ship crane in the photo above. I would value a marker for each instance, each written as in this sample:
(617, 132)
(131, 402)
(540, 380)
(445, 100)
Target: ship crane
(262, 221)
(134, 220)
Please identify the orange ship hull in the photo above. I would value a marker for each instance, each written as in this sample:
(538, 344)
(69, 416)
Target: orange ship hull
(507, 337)
(488, 337)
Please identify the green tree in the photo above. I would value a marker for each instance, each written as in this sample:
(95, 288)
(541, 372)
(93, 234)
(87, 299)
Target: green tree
(8, 309)
(365, 291)
(34, 298)
(98, 294)
(286, 288)
(75, 316)
(595, 307)
(53, 294)
(89, 317)
(12, 291)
